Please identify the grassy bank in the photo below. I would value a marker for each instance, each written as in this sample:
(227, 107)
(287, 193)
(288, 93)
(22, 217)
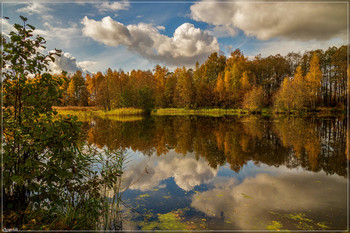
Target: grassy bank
(215, 112)
(132, 114)
(203, 112)
(86, 113)
(319, 112)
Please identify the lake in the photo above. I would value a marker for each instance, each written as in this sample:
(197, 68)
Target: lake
(229, 173)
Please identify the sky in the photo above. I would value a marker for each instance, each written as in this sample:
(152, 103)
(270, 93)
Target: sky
(95, 36)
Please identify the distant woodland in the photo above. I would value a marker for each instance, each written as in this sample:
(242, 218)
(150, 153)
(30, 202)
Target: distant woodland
(292, 82)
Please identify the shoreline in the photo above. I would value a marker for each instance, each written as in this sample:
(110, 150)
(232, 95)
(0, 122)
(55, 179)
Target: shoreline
(123, 113)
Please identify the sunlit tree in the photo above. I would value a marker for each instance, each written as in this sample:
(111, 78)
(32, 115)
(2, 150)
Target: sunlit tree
(254, 99)
(313, 80)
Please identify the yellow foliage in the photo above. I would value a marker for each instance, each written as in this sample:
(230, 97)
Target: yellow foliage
(313, 80)
(254, 99)
(245, 84)
(220, 89)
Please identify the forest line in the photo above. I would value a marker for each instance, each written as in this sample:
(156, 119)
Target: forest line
(293, 82)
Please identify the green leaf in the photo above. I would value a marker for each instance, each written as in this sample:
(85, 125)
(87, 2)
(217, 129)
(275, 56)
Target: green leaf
(23, 18)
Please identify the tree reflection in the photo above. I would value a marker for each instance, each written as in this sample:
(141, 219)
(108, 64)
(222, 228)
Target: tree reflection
(311, 143)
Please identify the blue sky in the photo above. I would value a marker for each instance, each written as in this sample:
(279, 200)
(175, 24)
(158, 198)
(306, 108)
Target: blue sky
(138, 35)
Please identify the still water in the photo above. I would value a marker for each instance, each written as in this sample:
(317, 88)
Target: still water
(230, 173)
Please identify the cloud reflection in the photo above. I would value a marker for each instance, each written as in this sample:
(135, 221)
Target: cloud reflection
(252, 203)
(186, 171)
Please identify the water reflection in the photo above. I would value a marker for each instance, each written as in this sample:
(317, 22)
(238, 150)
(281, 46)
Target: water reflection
(204, 173)
(258, 201)
(187, 172)
(311, 143)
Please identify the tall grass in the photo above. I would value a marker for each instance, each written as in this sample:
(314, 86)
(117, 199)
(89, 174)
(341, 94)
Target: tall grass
(120, 112)
(112, 163)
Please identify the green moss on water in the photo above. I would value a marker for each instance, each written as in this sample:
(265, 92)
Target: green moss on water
(274, 226)
(168, 221)
(246, 196)
(301, 221)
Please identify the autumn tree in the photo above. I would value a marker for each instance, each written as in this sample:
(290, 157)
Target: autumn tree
(184, 88)
(205, 77)
(284, 96)
(293, 93)
(236, 66)
(339, 79)
(315, 77)
(160, 74)
(64, 88)
(91, 88)
(313, 81)
(114, 88)
(220, 91)
(169, 90)
(145, 99)
(299, 91)
(77, 91)
(254, 99)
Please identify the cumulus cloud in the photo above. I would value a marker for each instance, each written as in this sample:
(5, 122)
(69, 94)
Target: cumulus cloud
(258, 197)
(186, 171)
(66, 62)
(266, 20)
(188, 44)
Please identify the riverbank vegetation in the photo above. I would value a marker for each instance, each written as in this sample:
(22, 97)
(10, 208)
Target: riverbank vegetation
(86, 113)
(132, 114)
(50, 180)
(295, 82)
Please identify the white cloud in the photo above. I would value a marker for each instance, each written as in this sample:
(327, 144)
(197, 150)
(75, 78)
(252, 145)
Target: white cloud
(66, 38)
(266, 20)
(112, 6)
(36, 8)
(66, 62)
(186, 171)
(50, 31)
(223, 31)
(256, 197)
(86, 65)
(33, 8)
(161, 28)
(188, 44)
(6, 27)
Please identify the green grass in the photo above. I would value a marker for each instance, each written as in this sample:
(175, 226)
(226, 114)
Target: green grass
(133, 114)
(86, 113)
(119, 112)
